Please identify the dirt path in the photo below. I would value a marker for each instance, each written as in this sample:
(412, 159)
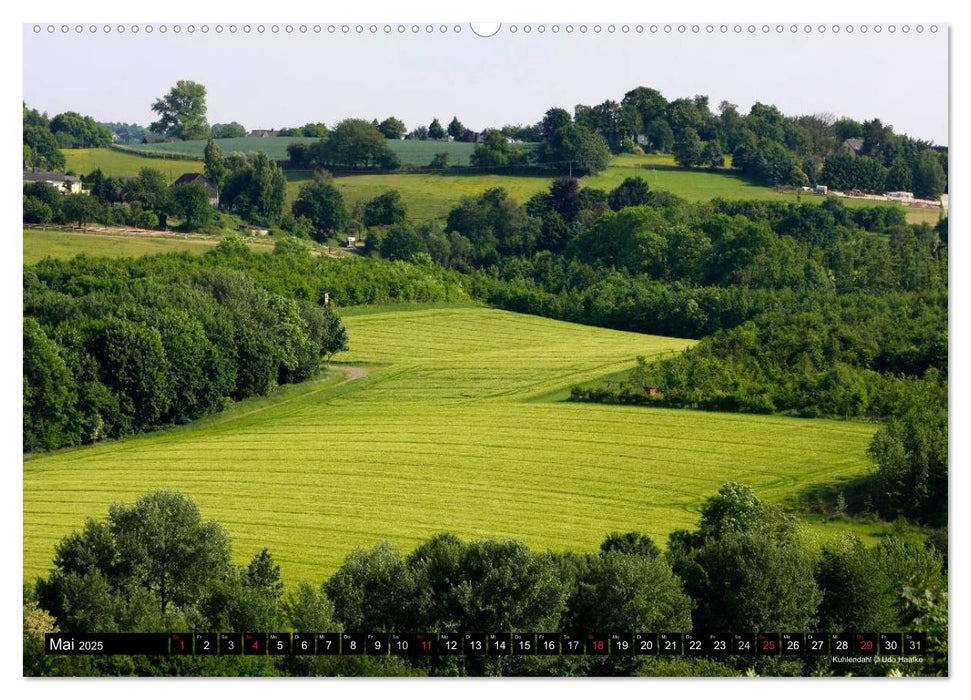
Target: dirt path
(351, 372)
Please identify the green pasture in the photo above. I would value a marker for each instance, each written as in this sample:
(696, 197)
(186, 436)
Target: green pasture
(410, 152)
(43, 243)
(431, 196)
(116, 163)
(452, 428)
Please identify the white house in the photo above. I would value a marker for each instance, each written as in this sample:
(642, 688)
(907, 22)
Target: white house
(64, 183)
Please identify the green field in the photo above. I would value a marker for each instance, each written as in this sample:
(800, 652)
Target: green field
(42, 243)
(84, 160)
(410, 152)
(427, 196)
(431, 196)
(454, 428)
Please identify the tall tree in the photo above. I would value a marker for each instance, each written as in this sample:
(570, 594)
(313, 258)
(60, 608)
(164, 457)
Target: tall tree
(215, 163)
(435, 130)
(228, 131)
(323, 205)
(456, 129)
(182, 112)
(929, 178)
(392, 128)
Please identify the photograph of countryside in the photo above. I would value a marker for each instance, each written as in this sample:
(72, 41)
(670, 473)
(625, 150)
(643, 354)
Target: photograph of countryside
(555, 342)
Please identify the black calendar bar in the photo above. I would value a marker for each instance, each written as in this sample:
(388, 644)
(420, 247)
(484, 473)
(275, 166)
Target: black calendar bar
(108, 643)
(488, 643)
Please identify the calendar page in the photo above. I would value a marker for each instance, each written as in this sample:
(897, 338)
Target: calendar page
(524, 349)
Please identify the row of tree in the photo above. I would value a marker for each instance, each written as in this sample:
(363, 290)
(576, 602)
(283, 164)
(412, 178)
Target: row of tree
(112, 353)
(147, 201)
(157, 565)
(44, 137)
(768, 146)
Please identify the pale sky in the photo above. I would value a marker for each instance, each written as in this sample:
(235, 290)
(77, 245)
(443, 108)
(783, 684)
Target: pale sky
(274, 80)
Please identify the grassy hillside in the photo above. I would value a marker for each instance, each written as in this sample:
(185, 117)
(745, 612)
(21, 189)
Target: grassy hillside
(410, 152)
(431, 196)
(452, 429)
(84, 160)
(42, 243)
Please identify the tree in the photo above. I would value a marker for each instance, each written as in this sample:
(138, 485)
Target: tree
(372, 591)
(307, 608)
(435, 130)
(751, 580)
(254, 187)
(263, 574)
(232, 130)
(492, 152)
(632, 192)
(688, 149)
(502, 586)
(191, 204)
(633, 543)
(439, 161)
(392, 128)
(323, 205)
(572, 148)
(911, 456)
(50, 392)
(164, 542)
(155, 553)
(553, 121)
(132, 362)
(929, 178)
(215, 163)
(456, 129)
(355, 143)
(856, 591)
(182, 112)
(385, 209)
(564, 197)
(36, 211)
(627, 591)
(711, 154)
(76, 131)
(493, 223)
(81, 208)
(152, 190)
(42, 150)
(401, 242)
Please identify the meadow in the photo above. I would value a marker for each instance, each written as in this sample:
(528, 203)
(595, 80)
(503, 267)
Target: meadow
(42, 243)
(430, 196)
(411, 152)
(446, 421)
(120, 164)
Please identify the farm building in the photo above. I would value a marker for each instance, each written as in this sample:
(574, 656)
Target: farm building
(264, 132)
(199, 178)
(64, 183)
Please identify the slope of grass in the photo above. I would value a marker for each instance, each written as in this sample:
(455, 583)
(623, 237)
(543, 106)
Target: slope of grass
(275, 147)
(431, 196)
(445, 433)
(42, 243)
(84, 160)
